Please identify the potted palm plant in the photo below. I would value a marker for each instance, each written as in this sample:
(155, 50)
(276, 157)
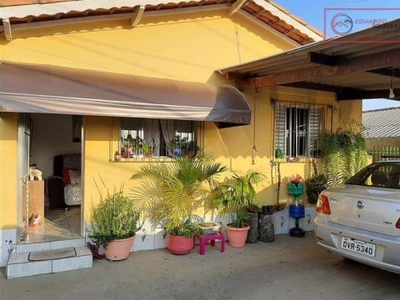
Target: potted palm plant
(170, 194)
(114, 224)
(238, 197)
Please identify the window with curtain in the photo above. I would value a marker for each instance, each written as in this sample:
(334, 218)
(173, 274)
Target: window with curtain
(156, 138)
(297, 128)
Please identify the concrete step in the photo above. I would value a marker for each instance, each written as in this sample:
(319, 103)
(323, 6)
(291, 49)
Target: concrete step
(58, 256)
(29, 247)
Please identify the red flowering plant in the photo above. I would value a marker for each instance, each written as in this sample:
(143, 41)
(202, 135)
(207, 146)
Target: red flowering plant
(296, 179)
(296, 187)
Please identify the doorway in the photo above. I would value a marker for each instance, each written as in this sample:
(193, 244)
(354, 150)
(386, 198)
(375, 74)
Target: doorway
(45, 138)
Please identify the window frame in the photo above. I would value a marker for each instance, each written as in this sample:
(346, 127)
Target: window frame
(302, 114)
(122, 124)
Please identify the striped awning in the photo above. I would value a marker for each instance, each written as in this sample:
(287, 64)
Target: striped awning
(58, 90)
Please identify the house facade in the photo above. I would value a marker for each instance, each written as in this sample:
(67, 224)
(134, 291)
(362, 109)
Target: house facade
(97, 78)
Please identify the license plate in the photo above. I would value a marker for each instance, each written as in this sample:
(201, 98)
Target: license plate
(358, 246)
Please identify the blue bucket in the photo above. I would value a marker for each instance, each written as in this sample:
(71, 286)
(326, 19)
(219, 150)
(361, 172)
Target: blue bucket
(297, 212)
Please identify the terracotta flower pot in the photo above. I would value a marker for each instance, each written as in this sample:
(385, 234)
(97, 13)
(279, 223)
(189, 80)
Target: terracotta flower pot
(179, 244)
(237, 236)
(119, 249)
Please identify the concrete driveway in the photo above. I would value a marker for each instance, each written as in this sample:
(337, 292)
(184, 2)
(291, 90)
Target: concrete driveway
(288, 268)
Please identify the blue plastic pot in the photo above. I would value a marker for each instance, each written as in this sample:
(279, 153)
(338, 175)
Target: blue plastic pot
(297, 212)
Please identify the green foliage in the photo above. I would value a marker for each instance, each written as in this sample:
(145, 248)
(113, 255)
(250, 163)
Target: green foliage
(187, 229)
(343, 153)
(170, 192)
(237, 195)
(242, 219)
(177, 142)
(114, 218)
(314, 186)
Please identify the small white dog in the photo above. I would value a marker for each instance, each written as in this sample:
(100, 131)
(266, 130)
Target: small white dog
(35, 174)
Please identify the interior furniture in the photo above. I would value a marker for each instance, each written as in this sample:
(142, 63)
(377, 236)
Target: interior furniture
(64, 186)
(204, 239)
(55, 192)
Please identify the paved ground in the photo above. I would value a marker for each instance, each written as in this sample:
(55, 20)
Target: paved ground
(288, 268)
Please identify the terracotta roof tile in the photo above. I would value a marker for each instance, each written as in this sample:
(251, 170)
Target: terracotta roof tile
(265, 11)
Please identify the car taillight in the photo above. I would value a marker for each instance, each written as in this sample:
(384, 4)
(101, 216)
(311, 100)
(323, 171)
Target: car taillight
(323, 205)
(398, 224)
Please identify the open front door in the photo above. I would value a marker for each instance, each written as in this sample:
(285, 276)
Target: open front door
(24, 147)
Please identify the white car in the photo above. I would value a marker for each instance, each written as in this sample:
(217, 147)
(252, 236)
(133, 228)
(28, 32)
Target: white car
(361, 220)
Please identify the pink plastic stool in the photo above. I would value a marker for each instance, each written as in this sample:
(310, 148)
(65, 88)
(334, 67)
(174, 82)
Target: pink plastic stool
(210, 238)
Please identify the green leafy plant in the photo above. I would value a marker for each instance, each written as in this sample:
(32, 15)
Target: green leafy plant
(190, 149)
(237, 195)
(343, 153)
(113, 218)
(171, 192)
(187, 228)
(129, 141)
(178, 144)
(242, 219)
(314, 186)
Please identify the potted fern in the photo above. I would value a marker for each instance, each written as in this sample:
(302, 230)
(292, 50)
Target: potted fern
(114, 224)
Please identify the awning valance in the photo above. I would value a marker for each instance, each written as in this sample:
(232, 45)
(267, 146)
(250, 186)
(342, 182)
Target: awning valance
(57, 90)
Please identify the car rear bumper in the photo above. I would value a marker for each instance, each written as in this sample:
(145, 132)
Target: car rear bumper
(329, 236)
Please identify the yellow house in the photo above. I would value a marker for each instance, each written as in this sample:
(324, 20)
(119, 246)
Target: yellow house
(96, 77)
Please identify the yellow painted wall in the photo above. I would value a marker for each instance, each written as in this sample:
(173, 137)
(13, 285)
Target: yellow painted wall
(185, 47)
(188, 48)
(240, 149)
(252, 147)
(350, 110)
(8, 171)
(101, 174)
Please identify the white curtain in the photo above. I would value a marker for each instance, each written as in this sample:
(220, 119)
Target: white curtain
(152, 135)
(168, 131)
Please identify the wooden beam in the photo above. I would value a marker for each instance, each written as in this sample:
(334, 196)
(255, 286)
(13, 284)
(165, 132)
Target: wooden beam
(138, 12)
(389, 72)
(367, 94)
(7, 29)
(356, 65)
(322, 87)
(323, 59)
(236, 6)
(344, 93)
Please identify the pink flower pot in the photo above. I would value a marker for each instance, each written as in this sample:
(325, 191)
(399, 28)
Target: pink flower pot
(119, 249)
(179, 244)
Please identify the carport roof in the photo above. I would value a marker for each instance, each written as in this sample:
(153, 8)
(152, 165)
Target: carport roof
(360, 65)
